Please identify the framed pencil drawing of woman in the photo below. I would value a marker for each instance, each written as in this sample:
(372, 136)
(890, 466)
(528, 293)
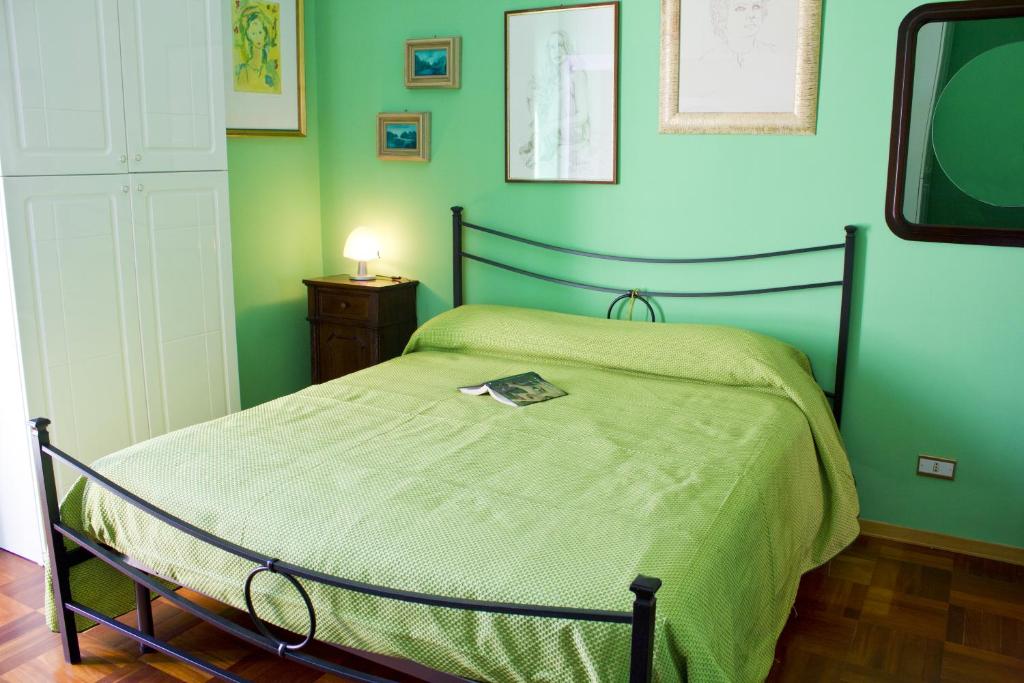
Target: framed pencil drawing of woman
(561, 80)
(265, 81)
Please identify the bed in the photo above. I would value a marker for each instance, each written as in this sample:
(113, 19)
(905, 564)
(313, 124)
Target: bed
(651, 525)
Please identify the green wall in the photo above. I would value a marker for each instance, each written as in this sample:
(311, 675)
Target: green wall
(935, 359)
(275, 233)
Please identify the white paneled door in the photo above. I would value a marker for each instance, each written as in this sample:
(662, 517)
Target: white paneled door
(61, 101)
(183, 252)
(173, 85)
(20, 530)
(77, 302)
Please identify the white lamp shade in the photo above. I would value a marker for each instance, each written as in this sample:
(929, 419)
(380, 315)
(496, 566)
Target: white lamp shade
(362, 245)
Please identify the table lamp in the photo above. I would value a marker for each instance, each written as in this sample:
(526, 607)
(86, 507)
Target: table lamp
(362, 246)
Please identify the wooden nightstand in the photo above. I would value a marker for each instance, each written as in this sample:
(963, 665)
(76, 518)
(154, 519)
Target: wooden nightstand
(355, 325)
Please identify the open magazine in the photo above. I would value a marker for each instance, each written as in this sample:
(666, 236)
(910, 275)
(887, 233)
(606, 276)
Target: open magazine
(517, 390)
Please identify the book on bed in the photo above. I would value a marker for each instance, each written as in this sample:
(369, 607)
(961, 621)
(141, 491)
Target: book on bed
(517, 390)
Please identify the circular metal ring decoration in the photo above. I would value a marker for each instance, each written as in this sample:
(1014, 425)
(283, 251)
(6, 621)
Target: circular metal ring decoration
(270, 566)
(633, 295)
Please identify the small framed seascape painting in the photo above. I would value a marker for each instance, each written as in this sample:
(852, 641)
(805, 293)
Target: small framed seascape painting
(403, 137)
(265, 71)
(432, 62)
(561, 94)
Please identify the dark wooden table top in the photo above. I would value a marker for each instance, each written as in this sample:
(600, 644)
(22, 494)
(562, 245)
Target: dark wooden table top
(344, 281)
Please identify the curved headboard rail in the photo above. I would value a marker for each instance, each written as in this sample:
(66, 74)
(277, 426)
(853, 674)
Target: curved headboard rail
(459, 255)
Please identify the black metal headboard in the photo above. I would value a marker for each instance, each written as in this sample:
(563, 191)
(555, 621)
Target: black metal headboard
(846, 283)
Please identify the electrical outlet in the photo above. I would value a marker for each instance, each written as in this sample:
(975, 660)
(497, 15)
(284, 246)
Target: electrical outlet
(940, 468)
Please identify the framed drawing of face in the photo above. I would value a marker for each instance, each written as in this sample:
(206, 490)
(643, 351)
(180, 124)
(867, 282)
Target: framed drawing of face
(740, 66)
(561, 94)
(265, 68)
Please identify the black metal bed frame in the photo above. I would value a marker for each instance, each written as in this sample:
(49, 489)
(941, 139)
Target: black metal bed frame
(459, 254)
(641, 619)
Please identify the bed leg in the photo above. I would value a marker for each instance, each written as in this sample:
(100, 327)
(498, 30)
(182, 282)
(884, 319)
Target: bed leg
(456, 256)
(144, 610)
(60, 568)
(641, 656)
(844, 324)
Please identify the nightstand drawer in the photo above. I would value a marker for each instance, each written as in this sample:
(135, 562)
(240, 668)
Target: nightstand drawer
(346, 305)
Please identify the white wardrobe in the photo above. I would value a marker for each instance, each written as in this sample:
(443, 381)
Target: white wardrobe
(114, 212)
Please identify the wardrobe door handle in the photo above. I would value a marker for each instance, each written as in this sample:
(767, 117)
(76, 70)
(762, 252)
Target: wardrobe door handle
(138, 157)
(125, 188)
(139, 187)
(124, 158)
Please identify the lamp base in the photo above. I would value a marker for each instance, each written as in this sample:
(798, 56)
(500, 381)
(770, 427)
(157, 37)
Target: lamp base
(361, 274)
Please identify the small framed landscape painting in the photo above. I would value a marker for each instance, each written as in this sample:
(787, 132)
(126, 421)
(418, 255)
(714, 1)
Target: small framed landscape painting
(432, 62)
(403, 137)
(740, 66)
(264, 68)
(561, 94)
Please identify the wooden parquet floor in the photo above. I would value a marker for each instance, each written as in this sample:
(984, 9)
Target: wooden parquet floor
(880, 611)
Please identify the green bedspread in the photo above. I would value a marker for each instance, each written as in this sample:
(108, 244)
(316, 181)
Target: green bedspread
(705, 456)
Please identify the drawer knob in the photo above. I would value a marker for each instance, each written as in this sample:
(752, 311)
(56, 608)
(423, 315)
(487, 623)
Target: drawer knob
(343, 305)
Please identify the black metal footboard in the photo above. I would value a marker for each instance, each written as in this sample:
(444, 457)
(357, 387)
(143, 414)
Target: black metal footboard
(640, 619)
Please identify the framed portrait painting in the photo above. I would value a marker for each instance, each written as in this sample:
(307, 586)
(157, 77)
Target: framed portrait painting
(561, 94)
(265, 68)
(740, 66)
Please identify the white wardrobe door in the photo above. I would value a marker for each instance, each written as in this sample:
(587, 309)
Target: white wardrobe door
(61, 101)
(173, 85)
(183, 252)
(75, 289)
(20, 528)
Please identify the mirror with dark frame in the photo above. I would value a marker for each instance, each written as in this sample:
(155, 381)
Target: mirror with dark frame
(956, 168)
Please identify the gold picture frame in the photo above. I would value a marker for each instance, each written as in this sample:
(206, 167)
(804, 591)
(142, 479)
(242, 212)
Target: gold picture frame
(801, 46)
(244, 110)
(403, 137)
(438, 67)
